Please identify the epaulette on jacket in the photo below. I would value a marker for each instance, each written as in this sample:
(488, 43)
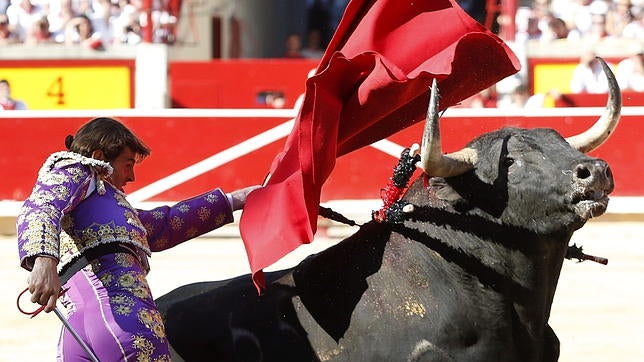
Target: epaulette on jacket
(64, 158)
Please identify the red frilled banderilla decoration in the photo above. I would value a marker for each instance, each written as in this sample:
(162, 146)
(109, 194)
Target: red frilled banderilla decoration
(372, 82)
(395, 188)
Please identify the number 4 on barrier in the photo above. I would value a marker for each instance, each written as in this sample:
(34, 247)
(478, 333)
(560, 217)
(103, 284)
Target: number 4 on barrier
(56, 90)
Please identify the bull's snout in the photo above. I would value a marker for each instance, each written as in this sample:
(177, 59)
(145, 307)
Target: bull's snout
(595, 175)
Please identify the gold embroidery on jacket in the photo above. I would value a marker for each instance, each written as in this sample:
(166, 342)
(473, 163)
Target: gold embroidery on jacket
(176, 223)
(204, 213)
(125, 259)
(41, 234)
(192, 232)
(212, 198)
(220, 219)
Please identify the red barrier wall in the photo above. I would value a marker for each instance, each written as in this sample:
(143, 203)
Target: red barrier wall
(244, 83)
(237, 83)
(178, 142)
(68, 84)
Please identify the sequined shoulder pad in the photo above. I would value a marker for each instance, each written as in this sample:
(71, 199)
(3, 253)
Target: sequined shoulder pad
(65, 158)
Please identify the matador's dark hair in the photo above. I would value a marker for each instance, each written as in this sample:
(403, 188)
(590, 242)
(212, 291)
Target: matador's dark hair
(107, 135)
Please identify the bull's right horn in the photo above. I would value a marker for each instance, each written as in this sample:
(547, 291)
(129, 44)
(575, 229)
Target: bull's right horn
(432, 159)
(605, 125)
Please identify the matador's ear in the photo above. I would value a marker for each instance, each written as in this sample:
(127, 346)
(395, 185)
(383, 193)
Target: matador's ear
(98, 155)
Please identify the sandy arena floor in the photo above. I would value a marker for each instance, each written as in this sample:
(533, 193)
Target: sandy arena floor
(598, 312)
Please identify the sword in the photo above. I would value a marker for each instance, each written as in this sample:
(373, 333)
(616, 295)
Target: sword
(77, 337)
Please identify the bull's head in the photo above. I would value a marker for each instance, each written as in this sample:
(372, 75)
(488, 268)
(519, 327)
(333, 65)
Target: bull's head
(547, 168)
(435, 163)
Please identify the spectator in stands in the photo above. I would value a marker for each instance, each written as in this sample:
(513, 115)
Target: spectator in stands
(3, 6)
(164, 26)
(126, 23)
(313, 48)
(588, 76)
(132, 33)
(8, 103)
(532, 22)
(635, 29)
(60, 13)
(22, 14)
(541, 11)
(80, 31)
(84, 7)
(521, 98)
(618, 16)
(6, 35)
(528, 28)
(100, 16)
(39, 33)
(588, 21)
(630, 73)
(597, 30)
(487, 98)
(293, 46)
(556, 30)
(575, 13)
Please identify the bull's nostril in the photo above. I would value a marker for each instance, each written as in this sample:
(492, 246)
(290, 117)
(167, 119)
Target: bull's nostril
(608, 173)
(582, 172)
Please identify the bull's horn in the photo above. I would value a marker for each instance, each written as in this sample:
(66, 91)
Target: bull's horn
(432, 159)
(599, 132)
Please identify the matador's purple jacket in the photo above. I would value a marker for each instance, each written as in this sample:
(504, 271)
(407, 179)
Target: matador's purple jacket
(72, 209)
(71, 194)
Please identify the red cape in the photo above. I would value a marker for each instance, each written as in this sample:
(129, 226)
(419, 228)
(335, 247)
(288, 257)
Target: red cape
(372, 82)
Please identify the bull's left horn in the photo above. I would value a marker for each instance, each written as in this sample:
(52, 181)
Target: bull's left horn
(605, 125)
(432, 159)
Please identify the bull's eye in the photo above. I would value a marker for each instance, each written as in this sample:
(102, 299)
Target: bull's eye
(508, 161)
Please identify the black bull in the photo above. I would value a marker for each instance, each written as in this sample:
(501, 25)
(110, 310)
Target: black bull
(466, 271)
(468, 275)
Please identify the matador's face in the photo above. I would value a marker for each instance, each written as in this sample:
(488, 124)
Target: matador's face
(123, 169)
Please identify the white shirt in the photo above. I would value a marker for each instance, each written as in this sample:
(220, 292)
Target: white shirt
(629, 76)
(589, 79)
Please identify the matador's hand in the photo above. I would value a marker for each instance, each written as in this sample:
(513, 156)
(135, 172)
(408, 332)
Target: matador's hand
(239, 196)
(44, 283)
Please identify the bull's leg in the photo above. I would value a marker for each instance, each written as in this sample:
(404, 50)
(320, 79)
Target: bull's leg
(175, 356)
(550, 345)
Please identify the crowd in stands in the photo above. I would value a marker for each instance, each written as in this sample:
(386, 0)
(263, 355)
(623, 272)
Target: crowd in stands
(573, 20)
(122, 21)
(90, 23)
(582, 25)
(98, 24)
